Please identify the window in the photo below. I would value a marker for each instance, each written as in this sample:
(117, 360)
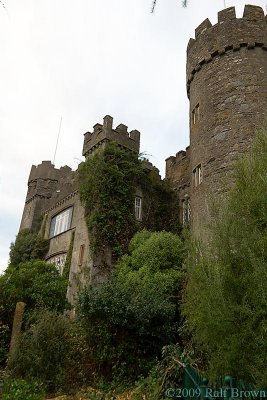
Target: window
(81, 254)
(197, 175)
(61, 222)
(138, 208)
(186, 209)
(195, 114)
(59, 262)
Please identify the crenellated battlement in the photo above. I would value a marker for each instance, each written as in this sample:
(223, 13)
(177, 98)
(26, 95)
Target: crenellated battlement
(47, 171)
(104, 133)
(177, 168)
(228, 35)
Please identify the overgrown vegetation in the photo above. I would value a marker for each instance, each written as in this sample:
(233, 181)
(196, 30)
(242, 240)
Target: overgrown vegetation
(30, 280)
(19, 389)
(132, 316)
(165, 374)
(53, 351)
(37, 283)
(27, 247)
(226, 304)
(108, 181)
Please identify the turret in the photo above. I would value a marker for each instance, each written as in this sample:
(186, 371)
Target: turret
(44, 181)
(105, 133)
(227, 89)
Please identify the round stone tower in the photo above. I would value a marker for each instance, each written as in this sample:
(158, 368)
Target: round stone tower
(227, 89)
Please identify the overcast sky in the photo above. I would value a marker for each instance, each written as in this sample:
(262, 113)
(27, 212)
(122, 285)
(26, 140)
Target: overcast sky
(83, 59)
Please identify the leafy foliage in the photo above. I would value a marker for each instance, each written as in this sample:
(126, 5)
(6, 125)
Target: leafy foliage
(226, 304)
(107, 190)
(167, 373)
(19, 389)
(129, 318)
(38, 284)
(108, 181)
(27, 247)
(53, 351)
(155, 251)
(5, 334)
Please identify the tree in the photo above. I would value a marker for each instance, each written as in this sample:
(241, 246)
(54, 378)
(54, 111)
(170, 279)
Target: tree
(36, 283)
(28, 246)
(52, 350)
(129, 318)
(225, 302)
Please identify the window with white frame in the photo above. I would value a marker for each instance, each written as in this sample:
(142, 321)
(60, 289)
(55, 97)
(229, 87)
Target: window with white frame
(61, 222)
(138, 208)
(197, 175)
(59, 261)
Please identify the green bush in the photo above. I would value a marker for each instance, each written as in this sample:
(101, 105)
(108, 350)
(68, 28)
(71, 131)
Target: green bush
(19, 389)
(28, 246)
(53, 351)
(4, 341)
(159, 251)
(37, 283)
(167, 373)
(129, 318)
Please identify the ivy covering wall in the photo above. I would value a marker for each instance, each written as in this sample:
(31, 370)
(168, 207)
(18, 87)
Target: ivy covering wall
(108, 181)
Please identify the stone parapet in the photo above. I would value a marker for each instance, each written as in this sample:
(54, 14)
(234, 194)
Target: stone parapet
(105, 133)
(228, 35)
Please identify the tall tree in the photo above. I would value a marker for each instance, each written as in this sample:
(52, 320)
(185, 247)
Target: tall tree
(226, 303)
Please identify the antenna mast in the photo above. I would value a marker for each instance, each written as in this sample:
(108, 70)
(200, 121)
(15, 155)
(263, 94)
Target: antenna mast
(57, 139)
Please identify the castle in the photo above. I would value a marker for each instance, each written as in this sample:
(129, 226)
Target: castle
(227, 90)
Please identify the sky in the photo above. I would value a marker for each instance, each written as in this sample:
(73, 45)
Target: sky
(81, 60)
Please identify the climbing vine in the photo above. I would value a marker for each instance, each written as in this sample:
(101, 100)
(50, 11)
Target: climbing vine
(107, 186)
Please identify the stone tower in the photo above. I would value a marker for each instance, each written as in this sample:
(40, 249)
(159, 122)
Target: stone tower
(227, 89)
(43, 183)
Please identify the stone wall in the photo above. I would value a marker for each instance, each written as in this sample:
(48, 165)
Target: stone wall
(80, 269)
(227, 88)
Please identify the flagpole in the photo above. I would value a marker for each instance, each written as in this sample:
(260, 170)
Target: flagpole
(57, 140)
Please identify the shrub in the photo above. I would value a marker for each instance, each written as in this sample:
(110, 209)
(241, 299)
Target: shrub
(167, 373)
(129, 318)
(53, 351)
(28, 246)
(19, 389)
(4, 341)
(37, 283)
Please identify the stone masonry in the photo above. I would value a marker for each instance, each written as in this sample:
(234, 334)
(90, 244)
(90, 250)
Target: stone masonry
(227, 90)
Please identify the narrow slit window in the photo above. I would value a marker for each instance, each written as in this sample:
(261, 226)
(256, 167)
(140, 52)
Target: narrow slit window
(186, 211)
(138, 208)
(81, 255)
(197, 175)
(195, 114)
